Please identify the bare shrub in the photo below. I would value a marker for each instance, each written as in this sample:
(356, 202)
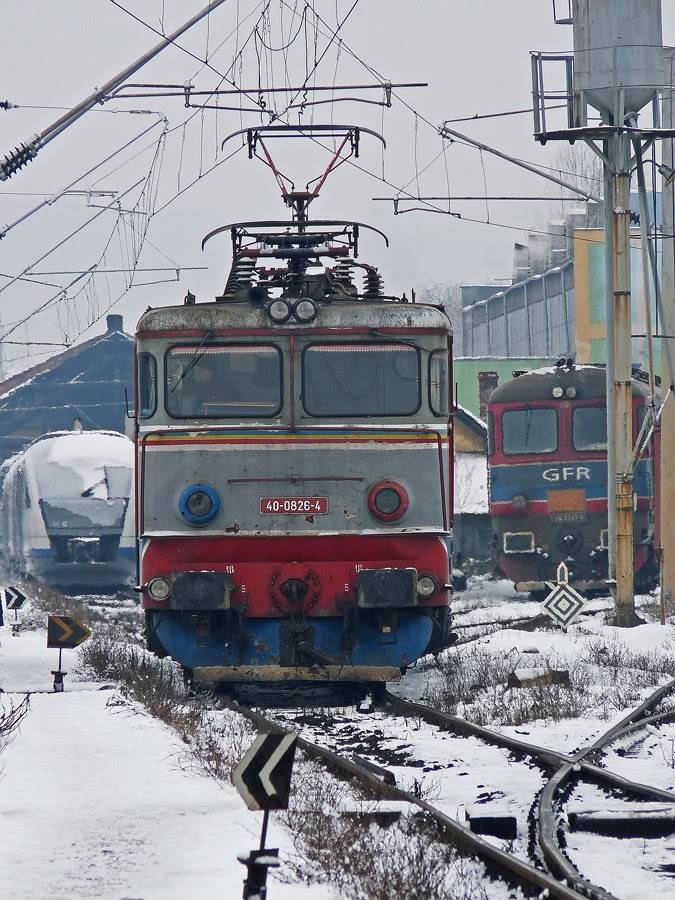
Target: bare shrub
(366, 862)
(117, 611)
(11, 716)
(216, 741)
(605, 676)
(155, 683)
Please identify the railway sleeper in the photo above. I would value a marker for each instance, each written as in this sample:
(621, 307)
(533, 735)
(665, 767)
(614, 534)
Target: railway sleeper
(653, 822)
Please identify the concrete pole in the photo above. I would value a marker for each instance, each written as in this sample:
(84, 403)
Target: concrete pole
(667, 327)
(609, 316)
(623, 399)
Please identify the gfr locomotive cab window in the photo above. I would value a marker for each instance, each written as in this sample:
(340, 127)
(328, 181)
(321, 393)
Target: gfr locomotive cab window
(589, 428)
(223, 382)
(531, 430)
(147, 385)
(361, 380)
(438, 383)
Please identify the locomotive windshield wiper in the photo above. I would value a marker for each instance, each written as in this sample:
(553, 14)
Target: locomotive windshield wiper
(194, 359)
(393, 339)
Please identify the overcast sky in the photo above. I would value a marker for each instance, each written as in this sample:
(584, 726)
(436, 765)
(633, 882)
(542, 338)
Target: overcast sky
(473, 53)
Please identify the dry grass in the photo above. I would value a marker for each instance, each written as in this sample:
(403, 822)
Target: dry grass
(117, 611)
(11, 716)
(215, 741)
(364, 861)
(604, 678)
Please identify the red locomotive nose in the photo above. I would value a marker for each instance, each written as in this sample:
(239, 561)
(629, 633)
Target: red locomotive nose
(294, 588)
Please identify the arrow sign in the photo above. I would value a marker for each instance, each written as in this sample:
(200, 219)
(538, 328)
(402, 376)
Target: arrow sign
(64, 632)
(263, 777)
(14, 599)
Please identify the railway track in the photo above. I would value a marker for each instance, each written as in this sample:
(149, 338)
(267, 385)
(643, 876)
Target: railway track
(499, 863)
(551, 869)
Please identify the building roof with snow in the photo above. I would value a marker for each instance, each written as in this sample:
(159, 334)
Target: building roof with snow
(86, 382)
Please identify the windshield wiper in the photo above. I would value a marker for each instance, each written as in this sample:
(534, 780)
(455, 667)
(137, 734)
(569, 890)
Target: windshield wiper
(194, 359)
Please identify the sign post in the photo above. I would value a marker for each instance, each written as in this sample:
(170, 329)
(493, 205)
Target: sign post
(64, 632)
(263, 779)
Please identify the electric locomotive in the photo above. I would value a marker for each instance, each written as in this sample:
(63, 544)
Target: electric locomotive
(547, 432)
(294, 466)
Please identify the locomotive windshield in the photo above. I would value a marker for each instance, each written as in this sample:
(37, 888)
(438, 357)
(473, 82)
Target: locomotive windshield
(361, 380)
(589, 428)
(530, 430)
(223, 382)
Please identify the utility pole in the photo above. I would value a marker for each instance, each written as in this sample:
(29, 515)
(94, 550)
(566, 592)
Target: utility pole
(667, 327)
(616, 70)
(620, 163)
(28, 150)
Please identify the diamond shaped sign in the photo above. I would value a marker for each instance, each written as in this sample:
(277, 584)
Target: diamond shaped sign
(563, 604)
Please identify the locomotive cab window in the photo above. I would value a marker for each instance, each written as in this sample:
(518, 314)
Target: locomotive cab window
(147, 385)
(589, 428)
(530, 430)
(438, 383)
(361, 380)
(237, 381)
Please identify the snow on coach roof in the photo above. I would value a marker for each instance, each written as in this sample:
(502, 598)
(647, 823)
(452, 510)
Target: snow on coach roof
(74, 461)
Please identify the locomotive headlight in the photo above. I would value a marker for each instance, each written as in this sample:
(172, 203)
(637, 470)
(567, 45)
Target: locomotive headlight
(571, 392)
(426, 586)
(279, 310)
(519, 501)
(557, 392)
(388, 501)
(199, 504)
(159, 589)
(304, 311)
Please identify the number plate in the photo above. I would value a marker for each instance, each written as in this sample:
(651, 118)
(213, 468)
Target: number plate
(293, 506)
(568, 516)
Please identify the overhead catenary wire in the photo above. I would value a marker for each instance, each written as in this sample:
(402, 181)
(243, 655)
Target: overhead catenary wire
(28, 150)
(58, 194)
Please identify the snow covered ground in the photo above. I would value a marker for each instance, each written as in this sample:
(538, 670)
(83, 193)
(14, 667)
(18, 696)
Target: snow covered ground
(100, 800)
(96, 799)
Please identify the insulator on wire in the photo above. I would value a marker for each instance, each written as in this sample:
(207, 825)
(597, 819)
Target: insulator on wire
(242, 275)
(7, 104)
(343, 270)
(16, 160)
(373, 285)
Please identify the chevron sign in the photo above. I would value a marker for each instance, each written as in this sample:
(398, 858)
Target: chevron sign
(14, 599)
(66, 633)
(263, 777)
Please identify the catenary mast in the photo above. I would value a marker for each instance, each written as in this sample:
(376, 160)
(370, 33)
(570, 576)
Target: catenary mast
(616, 71)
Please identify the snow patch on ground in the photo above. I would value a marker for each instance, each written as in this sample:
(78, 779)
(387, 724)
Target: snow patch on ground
(99, 800)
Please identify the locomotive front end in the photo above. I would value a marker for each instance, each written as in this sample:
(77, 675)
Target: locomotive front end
(294, 472)
(548, 480)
